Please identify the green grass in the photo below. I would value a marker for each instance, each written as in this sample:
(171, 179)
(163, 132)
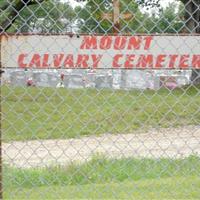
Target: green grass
(44, 113)
(101, 178)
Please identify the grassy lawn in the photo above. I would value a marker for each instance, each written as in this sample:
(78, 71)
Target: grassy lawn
(44, 113)
(101, 178)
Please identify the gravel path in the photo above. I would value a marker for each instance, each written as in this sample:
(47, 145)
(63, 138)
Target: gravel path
(166, 143)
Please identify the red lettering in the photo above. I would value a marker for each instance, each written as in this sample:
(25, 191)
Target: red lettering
(134, 42)
(148, 41)
(116, 58)
(45, 61)
(184, 61)
(172, 61)
(35, 61)
(89, 42)
(144, 61)
(96, 59)
(57, 59)
(196, 61)
(120, 42)
(105, 42)
(128, 63)
(82, 61)
(21, 59)
(159, 61)
(68, 63)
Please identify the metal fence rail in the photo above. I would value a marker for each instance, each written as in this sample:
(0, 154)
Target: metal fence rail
(100, 99)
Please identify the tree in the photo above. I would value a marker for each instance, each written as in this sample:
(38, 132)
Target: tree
(91, 18)
(45, 17)
(11, 11)
(132, 25)
(50, 17)
(165, 20)
(191, 20)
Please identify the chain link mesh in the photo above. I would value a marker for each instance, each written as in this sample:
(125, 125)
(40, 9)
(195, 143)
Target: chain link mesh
(100, 99)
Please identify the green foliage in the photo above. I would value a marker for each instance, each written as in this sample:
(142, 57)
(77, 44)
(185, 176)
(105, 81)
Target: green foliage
(164, 20)
(47, 17)
(168, 20)
(90, 17)
(52, 16)
(103, 178)
(102, 170)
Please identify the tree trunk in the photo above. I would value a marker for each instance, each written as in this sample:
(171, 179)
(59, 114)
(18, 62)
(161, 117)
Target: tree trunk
(192, 25)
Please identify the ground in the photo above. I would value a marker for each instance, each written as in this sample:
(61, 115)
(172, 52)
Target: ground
(164, 143)
(105, 144)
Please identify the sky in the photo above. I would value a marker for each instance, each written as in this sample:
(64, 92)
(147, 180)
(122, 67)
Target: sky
(73, 3)
(164, 3)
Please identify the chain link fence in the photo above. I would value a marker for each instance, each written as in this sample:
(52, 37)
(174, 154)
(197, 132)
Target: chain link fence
(100, 99)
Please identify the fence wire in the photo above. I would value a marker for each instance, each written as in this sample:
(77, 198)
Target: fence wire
(100, 99)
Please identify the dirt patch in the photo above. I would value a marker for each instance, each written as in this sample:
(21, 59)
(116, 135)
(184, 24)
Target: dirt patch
(163, 143)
